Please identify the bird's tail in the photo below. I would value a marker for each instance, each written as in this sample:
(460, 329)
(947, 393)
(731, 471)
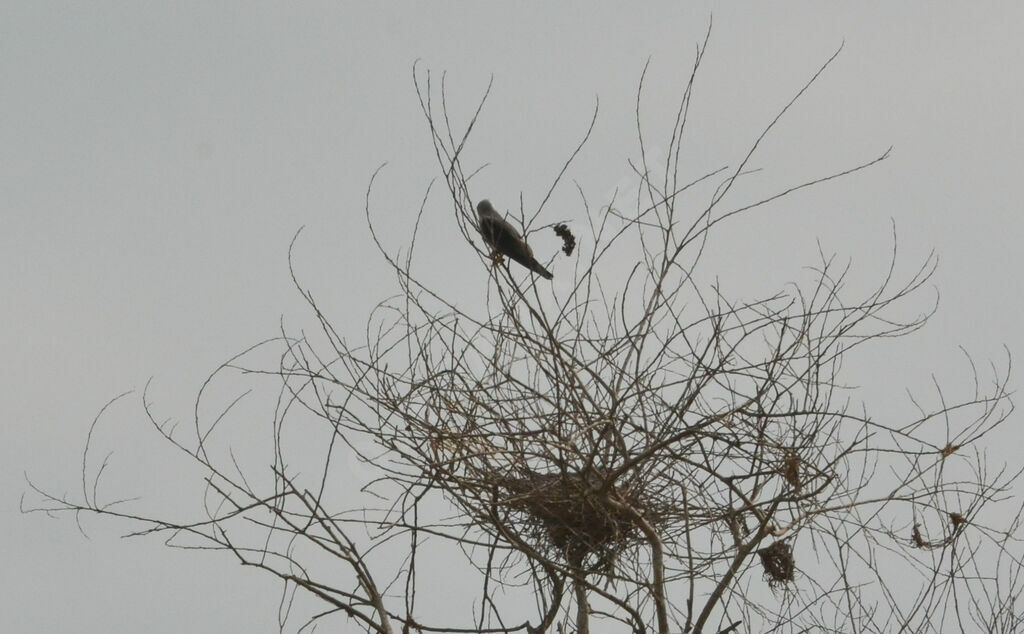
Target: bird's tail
(539, 269)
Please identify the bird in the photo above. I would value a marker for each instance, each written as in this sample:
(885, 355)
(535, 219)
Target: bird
(502, 238)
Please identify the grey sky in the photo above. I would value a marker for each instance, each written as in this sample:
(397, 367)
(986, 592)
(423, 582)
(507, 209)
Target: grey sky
(156, 159)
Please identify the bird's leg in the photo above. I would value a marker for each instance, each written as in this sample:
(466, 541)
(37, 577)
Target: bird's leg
(497, 257)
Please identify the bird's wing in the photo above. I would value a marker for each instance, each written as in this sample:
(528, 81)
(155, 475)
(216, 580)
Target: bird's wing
(504, 239)
(495, 228)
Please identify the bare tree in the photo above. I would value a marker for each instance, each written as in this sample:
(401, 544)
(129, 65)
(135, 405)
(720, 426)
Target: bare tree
(625, 446)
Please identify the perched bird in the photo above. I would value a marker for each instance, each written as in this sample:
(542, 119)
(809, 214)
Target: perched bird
(502, 238)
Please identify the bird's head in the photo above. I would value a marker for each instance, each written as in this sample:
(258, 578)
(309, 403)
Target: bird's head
(485, 208)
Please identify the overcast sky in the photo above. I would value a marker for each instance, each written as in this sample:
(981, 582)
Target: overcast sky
(156, 159)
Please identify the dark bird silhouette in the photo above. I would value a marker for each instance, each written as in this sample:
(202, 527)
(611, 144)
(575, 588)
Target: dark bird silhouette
(502, 238)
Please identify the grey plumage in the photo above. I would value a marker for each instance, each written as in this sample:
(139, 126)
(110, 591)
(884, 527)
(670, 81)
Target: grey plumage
(503, 238)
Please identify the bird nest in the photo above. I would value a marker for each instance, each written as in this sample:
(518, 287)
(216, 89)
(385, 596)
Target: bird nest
(778, 564)
(576, 515)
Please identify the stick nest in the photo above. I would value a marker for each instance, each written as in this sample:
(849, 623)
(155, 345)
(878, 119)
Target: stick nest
(577, 515)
